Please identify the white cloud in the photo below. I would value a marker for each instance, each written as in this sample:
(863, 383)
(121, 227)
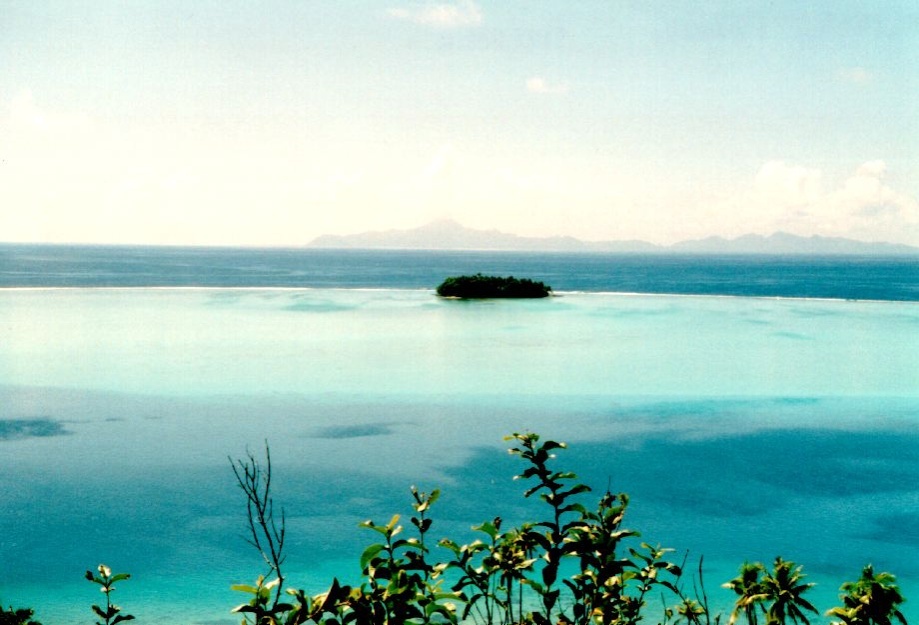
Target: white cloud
(788, 186)
(65, 176)
(854, 75)
(463, 13)
(538, 84)
(868, 202)
(794, 199)
(874, 169)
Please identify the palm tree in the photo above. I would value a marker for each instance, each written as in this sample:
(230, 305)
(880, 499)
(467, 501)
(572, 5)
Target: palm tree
(749, 589)
(872, 600)
(783, 589)
(691, 611)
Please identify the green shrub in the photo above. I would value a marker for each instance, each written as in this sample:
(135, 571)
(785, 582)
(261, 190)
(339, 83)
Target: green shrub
(111, 613)
(511, 577)
(20, 616)
(872, 600)
(515, 575)
(482, 287)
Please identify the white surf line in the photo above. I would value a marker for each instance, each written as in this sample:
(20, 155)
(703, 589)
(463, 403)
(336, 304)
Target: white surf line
(294, 289)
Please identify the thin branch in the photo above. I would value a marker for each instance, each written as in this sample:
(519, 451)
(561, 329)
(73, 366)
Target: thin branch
(265, 534)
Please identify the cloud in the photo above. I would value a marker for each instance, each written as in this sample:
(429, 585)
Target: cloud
(866, 200)
(854, 75)
(874, 169)
(794, 199)
(788, 186)
(68, 176)
(538, 84)
(463, 13)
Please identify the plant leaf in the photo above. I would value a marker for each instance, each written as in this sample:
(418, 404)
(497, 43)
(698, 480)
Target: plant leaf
(370, 553)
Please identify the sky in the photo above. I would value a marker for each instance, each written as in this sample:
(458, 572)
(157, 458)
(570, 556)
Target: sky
(231, 122)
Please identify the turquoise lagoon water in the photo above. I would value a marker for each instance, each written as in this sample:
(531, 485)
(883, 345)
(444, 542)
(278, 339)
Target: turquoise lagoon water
(743, 428)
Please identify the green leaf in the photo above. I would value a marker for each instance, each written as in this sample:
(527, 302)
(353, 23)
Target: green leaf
(575, 507)
(536, 488)
(369, 553)
(577, 489)
(530, 472)
(123, 617)
(488, 527)
(532, 583)
(252, 590)
(549, 574)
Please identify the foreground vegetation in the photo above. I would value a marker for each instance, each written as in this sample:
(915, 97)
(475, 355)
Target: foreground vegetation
(485, 287)
(579, 565)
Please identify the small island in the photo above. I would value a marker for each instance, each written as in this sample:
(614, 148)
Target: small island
(486, 287)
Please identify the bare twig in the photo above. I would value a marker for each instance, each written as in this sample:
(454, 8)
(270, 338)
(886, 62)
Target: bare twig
(265, 534)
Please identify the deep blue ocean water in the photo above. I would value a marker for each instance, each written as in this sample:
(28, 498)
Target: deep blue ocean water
(848, 277)
(783, 420)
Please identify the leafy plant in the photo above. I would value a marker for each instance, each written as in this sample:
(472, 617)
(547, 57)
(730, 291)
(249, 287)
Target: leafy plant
(402, 586)
(690, 609)
(784, 589)
(778, 594)
(111, 614)
(608, 586)
(479, 571)
(576, 566)
(263, 607)
(749, 590)
(872, 600)
(480, 287)
(20, 616)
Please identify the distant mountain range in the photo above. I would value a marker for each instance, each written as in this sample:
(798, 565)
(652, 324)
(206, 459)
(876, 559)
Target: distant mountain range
(450, 235)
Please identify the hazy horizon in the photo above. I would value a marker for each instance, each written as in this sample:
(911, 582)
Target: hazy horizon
(319, 242)
(168, 123)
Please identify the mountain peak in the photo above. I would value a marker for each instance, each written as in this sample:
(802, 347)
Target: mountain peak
(448, 234)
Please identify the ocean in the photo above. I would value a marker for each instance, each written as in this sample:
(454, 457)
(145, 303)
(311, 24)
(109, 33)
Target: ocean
(751, 407)
(833, 277)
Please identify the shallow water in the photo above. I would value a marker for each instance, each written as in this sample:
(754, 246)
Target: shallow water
(743, 428)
